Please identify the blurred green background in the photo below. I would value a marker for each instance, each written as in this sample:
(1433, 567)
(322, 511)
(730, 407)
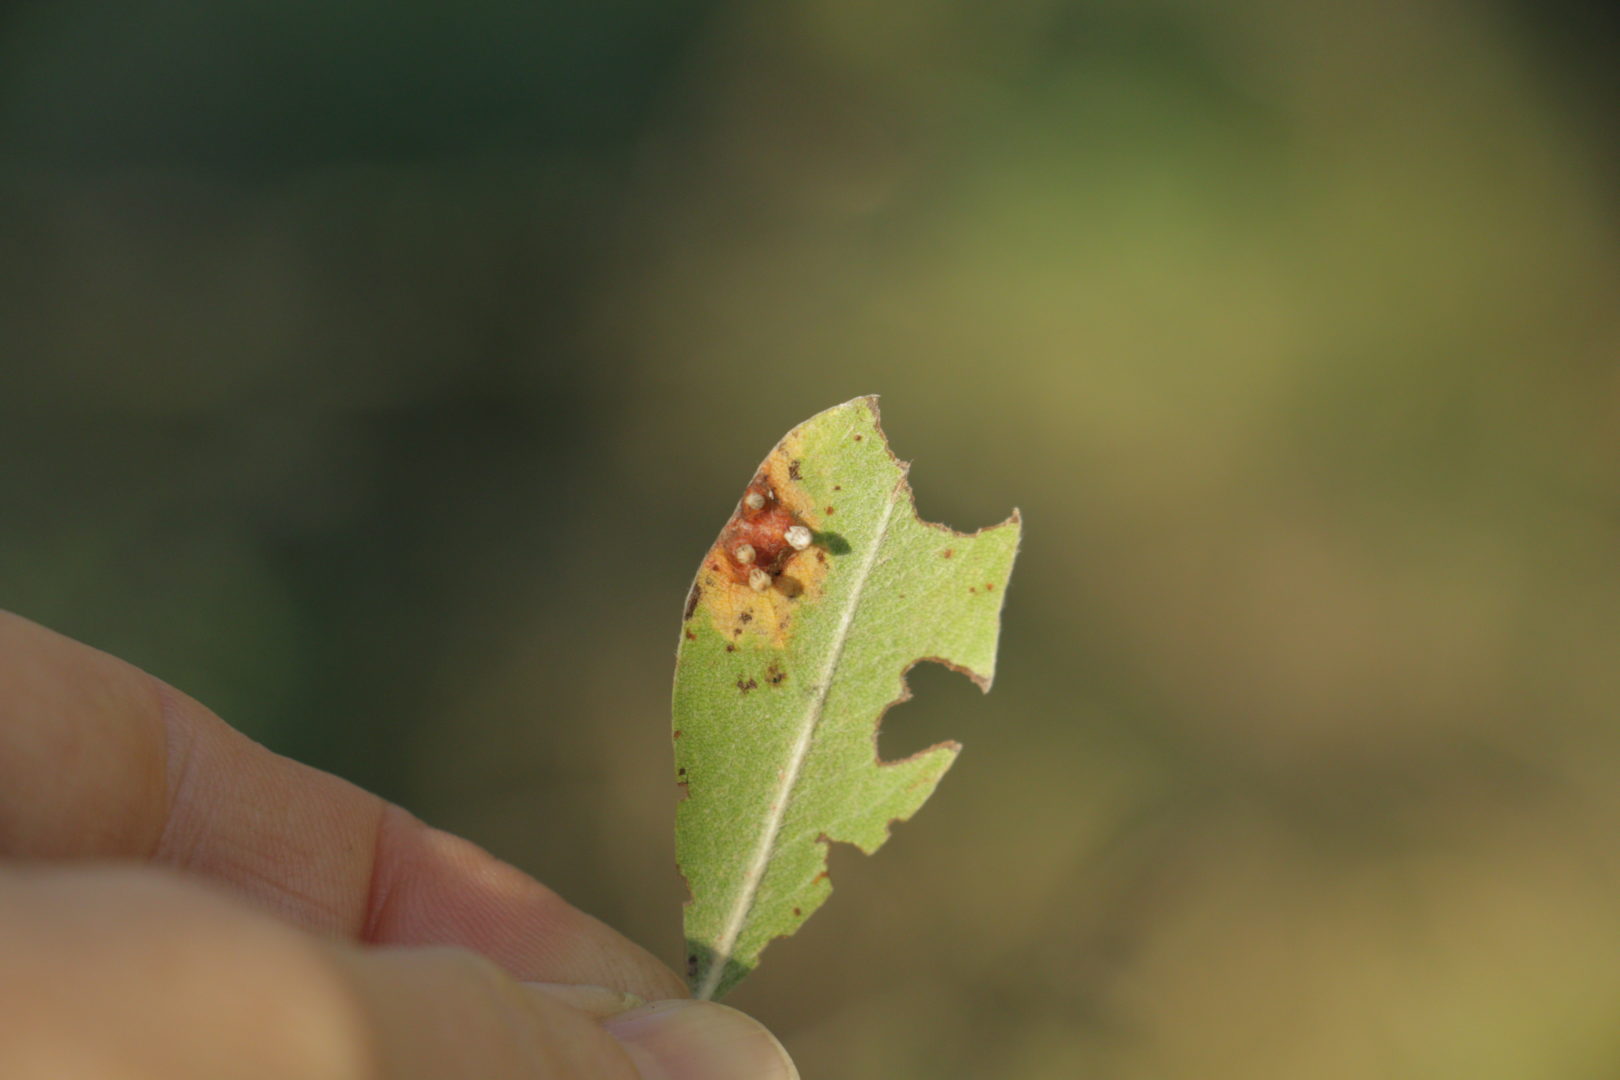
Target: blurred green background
(379, 372)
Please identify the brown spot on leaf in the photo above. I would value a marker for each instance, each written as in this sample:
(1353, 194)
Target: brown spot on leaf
(857, 439)
(989, 586)
(796, 911)
(730, 647)
(831, 510)
(971, 589)
(947, 553)
(838, 487)
(689, 635)
(747, 686)
(692, 599)
(793, 470)
(775, 675)
(746, 617)
(677, 733)
(823, 875)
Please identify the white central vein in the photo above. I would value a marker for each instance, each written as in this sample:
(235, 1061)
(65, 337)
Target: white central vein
(754, 875)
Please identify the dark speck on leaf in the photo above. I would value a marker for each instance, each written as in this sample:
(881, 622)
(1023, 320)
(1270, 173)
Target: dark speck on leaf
(692, 599)
(947, 553)
(858, 438)
(796, 911)
(678, 735)
(971, 589)
(793, 470)
(831, 511)
(775, 675)
(746, 617)
(989, 586)
(838, 487)
(691, 636)
(747, 686)
(730, 647)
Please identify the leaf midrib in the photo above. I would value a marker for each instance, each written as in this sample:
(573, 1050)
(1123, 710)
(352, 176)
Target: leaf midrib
(759, 861)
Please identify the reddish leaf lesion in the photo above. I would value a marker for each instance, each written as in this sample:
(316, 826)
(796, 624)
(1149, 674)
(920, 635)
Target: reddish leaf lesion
(762, 535)
(769, 557)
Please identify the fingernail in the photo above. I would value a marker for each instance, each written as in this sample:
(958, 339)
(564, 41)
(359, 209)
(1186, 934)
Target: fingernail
(599, 1001)
(699, 1040)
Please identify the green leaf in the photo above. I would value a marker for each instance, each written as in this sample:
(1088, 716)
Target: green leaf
(787, 662)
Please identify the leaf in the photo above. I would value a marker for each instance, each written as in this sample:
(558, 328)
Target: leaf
(787, 662)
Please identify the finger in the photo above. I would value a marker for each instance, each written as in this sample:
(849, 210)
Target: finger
(128, 971)
(82, 762)
(136, 972)
(98, 759)
(434, 888)
(429, 1005)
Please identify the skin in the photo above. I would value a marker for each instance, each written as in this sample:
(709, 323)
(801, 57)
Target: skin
(176, 901)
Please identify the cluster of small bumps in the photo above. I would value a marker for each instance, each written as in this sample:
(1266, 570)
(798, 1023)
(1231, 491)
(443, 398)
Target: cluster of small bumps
(762, 536)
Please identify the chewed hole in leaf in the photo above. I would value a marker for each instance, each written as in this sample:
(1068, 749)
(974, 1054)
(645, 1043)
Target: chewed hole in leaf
(952, 702)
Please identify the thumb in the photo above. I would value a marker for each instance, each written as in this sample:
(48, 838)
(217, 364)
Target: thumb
(439, 1012)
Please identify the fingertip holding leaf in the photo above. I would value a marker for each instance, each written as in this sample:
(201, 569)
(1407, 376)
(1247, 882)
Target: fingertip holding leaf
(796, 640)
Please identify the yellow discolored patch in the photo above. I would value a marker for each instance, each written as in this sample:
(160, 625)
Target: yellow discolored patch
(744, 616)
(779, 470)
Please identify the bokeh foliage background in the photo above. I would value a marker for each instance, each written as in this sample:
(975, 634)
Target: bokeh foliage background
(378, 373)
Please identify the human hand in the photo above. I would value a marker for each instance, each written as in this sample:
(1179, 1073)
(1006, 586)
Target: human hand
(177, 902)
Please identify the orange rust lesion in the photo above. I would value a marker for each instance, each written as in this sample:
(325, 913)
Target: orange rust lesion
(755, 578)
(753, 547)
